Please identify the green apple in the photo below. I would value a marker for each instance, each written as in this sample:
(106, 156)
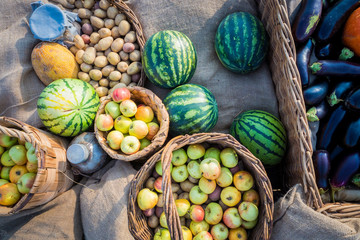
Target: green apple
(31, 155)
(232, 218)
(9, 194)
(138, 129)
(248, 211)
(230, 196)
(163, 221)
(144, 143)
(158, 168)
(237, 233)
(243, 180)
(252, 196)
(212, 152)
(2, 150)
(195, 151)
(130, 145)
(186, 233)
(229, 157)
(147, 199)
(32, 167)
(207, 185)
(25, 183)
(122, 124)
(197, 196)
(162, 234)
(213, 213)
(179, 157)
(16, 172)
(6, 159)
(28, 145)
(225, 179)
(128, 108)
(113, 109)
(7, 141)
(197, 227)
(249, 224)
(3, 181)
(219, 232)
(196, 213)
(193, 168)
(182, 206)
(104, 122)
(17, 153)
(5, 173)
(203, 236)
(210, 168)
(179, 173)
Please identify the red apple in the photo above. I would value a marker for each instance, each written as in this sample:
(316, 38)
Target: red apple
(203, 236)
(196, 213)
(138, 129)
(25, 183)
(144, 113)
(232, 218)
(120, 94)
(158, 184)
(153, 130)
(251, 196)
(104, 122)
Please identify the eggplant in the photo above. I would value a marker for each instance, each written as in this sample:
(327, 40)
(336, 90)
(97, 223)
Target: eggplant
(335, 152)
(306, 20)
(335, 68)
(328, 51)
(316, 93)
(321, 159)
(356, 179)
(333, 20)
(352, 134)
(352, 101)
(318, 112)
(349, 163)
(339, 92)
(302, 62)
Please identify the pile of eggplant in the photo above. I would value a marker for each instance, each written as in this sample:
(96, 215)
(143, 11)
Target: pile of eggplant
(330, 78)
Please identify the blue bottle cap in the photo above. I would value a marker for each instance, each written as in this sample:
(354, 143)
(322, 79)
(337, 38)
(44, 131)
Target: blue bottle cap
(77, 153)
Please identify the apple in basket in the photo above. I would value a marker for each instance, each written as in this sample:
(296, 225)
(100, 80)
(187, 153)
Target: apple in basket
(230, 196)
(162, 234)
(114, 139)
(139, 129)
(7, 141)
(17, 153)
(31, 155)
(186, 233)
(203, 236)
(120, 94)
(193, 168)
(163, 221)
(32, 167)
(252, 196)
(249, 224)
(9, 194)
(147, 199)
(182, 206)
(213, 213)
(196, 213)
(220, 231)
(128, 108)
(130, 145)
(195, 151)
(179, 157)
(5, 173)
(179, 173)
(237, 233)
(207, 185)
(232, 218)
(6, 159)
(25, 183)
(212, 152)
(104, 122)
(113, 109)
(243, 180)
(225, 179)
(229, 157)
(153, 130)
(197, 196)
(122, 124)
(210, 168)
(196, 227)
(144, 113)
(16, 172)
(248, 211)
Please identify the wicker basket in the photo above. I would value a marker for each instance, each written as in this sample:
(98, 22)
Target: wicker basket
(147, 97)
(137, 221)
(50, 180)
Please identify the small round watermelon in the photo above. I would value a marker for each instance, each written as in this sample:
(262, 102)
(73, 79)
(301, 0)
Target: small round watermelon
(192, 109)
(67, 107)
(262, 133)
(241, 42)
(169, 59)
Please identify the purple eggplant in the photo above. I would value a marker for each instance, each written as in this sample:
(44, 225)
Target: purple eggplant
(302, 62)
(328, 51)
(321, 160)
(352, 101)
(316, 93)
(339, 92)
(352, 134)
(349, 163)
(306, 20)
(335, 152)
(335, 68)
(318, 112)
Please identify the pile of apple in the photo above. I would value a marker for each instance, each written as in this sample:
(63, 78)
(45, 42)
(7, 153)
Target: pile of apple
(131, 126)
(18, 169)
(215, 198)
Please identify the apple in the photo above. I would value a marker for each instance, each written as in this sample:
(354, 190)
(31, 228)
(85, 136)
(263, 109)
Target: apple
(225, 179)
(158, 167)
(213, 213)
(251, 196)
(153, 221)
(158, 184)
(219, 232)
(130, 145)
(193, 168)
(182, 206)
(203, 236)
(186, 233)
(207, 185)
(28, 145)
(235, 169)
(16, 172)
(147, 199)
(230, 196)
(113, 109)
(2, 150)
(144, 143)
(162, 234)
(31, 155)
(7, 141)
(153, 130)
(210, 168)
(196, 213)
(128, 108)
(195, 151)
(197, 196)
(122, 124)
(3, 181)
(104, 122)
(249, 224)
(163, 221)
(32, 167)
(114, 139)
(17, 153)
(179, 173)
(248, 211)
(6, 159)
(229, 157)
(149, 212)
(144, 113)
(212, 152)
(197, 227)
(179, 157)
(9, 194)
(232, 218)
(25, 183)
(138, 129)
(158, 211)
(5, 173)
(243, 180)
(237, 233)
(120, 94)
(215, 195)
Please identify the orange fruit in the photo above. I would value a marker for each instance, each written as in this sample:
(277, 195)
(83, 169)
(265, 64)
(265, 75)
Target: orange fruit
(351, 33)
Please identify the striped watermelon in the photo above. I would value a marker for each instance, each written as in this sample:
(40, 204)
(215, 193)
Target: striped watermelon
(241, 42)
(169, 59)
(68, 106)
(262, 133)
(192, 108)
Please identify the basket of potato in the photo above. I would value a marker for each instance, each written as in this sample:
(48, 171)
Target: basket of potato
(201, 186)
(109, 47)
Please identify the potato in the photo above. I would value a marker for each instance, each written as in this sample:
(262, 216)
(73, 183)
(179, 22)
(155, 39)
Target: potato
(125, 79)
(175, 196)
(107, 51)
(150, 183)
(134, 68)
(160, 202)
(124, 56)
(100, 54)
(182, 221)
(115, 76)
(109, 23)
(117, 45)
(89, 4)
(186, 185)
(184, 195)
(95, 37)
(85, 67)
(113, 58)
(115, 32)
(105, 43)
(78, 56)
(124, 27)
(79, 4)
(136, 77)
(79, 42)
(97, 22)
(122, 66)
(119, 17)
(86, 39)
(95, 74)
(100, 13)
(175, 187)
(101, 61)
(74, 50)
(191, 179)
(101, 91)
(130, 37)
(104, 32)
(128, 47)
(84, 13)
(107, 70)
(137, 47)
(85, 21)
(93, 83)
(153, 221)
(75, 10)
(84, 76)
(135, 56)
(104, 4)
(113, 83)
(104, 82)
(89, 55)
(112, 12)
(71, 1)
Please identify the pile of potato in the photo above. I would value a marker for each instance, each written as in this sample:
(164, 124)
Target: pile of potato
(107, 51)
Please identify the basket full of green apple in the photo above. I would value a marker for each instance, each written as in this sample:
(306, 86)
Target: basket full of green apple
(201, 186)
(131, 123)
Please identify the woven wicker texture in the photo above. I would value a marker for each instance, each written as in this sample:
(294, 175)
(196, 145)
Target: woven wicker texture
(137, 221)
(50, 180)
(147, 97)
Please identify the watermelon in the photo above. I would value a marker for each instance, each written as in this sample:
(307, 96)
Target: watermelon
(169, 59)
(241, 42)
(262, 133)
(192, 108)
(67, 107)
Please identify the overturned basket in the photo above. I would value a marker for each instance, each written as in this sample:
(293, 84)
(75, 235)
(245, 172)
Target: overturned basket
(54, 174)
(137, 221)
(147, 97)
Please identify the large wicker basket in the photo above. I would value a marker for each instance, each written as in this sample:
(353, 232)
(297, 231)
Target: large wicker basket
(137, 221)
(50, 150)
